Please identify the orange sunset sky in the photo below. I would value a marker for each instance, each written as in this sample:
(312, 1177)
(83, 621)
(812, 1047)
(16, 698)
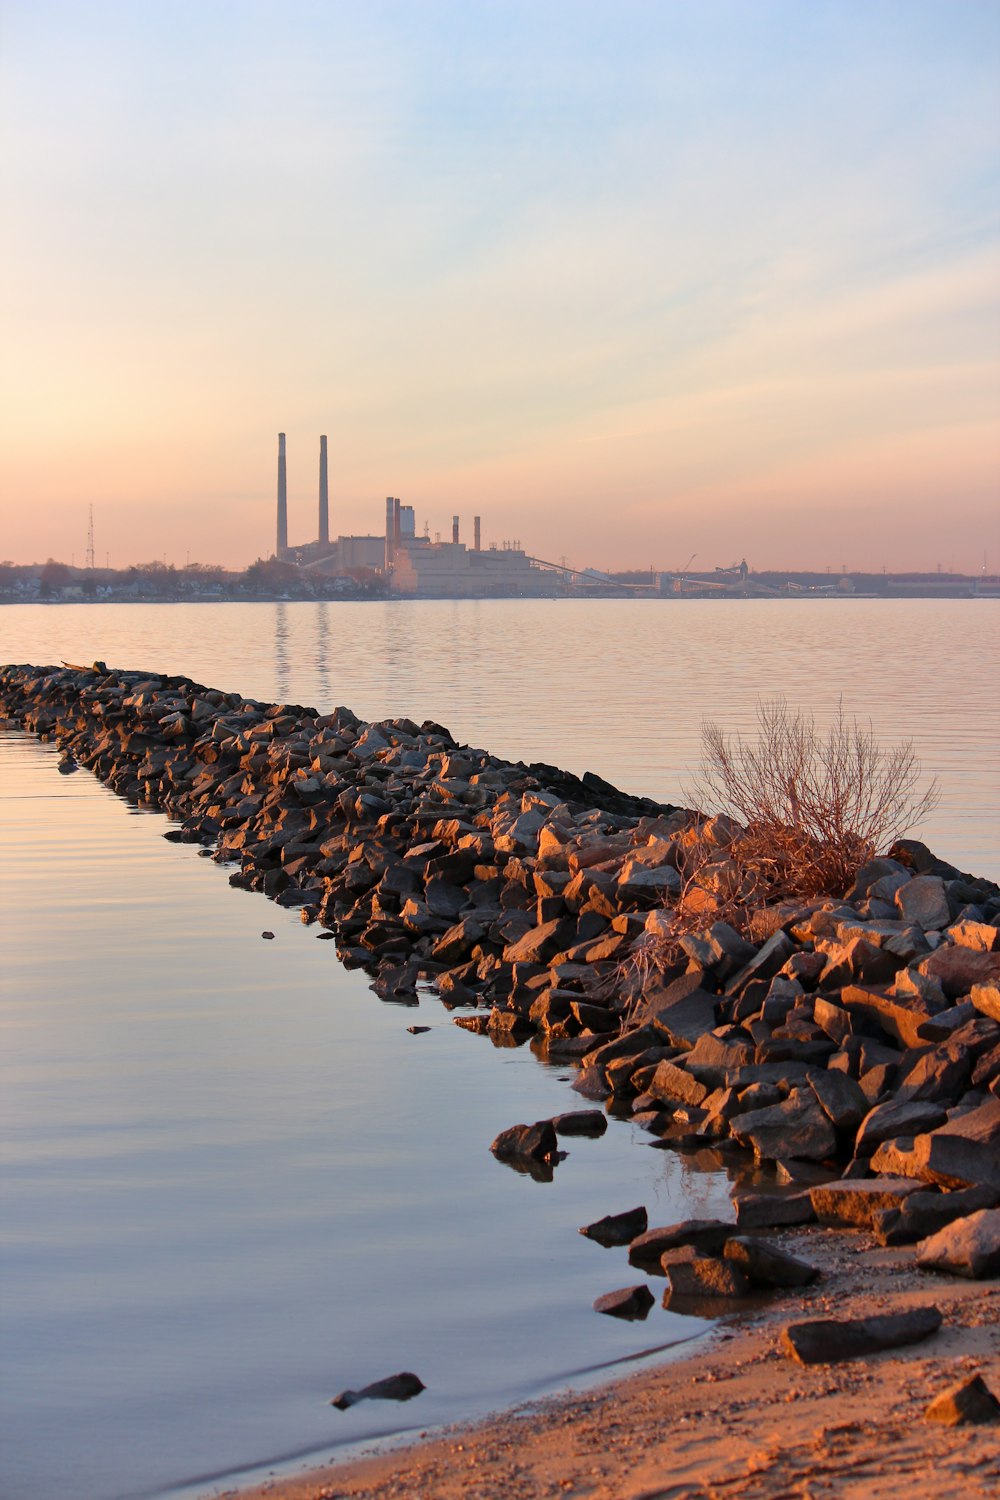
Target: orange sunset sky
(629, 280)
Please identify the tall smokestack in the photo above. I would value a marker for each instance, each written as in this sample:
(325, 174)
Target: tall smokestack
(475, 528)
(282, 547)
(390, 530)
(454, 530)
(324, 496)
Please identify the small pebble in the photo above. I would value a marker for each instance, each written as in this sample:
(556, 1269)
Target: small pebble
(267, 934)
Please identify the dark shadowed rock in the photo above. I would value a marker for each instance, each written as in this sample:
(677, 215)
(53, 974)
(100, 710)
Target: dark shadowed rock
(774, 954)
(680, 1011)
(964, 1152)
(840, 1098)
(969, 1247)
(766, 1265)
(797, 1127)
(631, 1302)
(708, 1235)
(898, 1117)
(824, 1341)
(971, 1400)
(590, 1122)
(401, 1387)
(923, 1213)
(617, 1229)
(537, 1141)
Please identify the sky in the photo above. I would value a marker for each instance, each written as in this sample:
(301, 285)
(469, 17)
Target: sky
(630, 279)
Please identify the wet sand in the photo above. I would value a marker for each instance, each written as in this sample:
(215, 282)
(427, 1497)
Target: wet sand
(734, 1417)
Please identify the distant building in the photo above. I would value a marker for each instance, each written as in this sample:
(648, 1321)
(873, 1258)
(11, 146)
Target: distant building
(449, 570)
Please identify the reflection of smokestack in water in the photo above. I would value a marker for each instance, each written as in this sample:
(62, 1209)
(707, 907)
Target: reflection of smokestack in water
(390, 530)
(475, 529)
(454, 530)
(397, 527)
(324, 496)
(282, 498)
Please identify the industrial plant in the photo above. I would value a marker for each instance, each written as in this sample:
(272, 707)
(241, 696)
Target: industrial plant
(412, 565)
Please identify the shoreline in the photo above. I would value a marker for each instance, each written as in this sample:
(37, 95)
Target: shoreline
(840, 1053)
(854, 1430)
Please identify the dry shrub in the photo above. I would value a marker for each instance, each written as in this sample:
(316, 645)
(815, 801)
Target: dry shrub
(813, 806)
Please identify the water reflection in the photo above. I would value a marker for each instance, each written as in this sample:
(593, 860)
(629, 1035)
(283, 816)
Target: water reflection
(282, 665)
(321, 655)
(619, 687)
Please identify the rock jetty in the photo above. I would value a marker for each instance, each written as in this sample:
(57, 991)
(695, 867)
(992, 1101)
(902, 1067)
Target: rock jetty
(848, 1044)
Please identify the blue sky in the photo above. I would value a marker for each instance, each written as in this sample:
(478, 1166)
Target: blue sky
(629, 280)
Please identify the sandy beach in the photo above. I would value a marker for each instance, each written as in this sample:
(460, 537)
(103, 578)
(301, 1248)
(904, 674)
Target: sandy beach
(735, 1417)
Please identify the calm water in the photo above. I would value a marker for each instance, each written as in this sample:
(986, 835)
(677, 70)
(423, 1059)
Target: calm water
(233, 1183)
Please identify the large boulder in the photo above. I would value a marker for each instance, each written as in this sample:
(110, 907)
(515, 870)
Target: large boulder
(823, 1341)
(705, 1235)
(964, 1152)
(924, 900)
(797, 1127)
(853, 1204)
(958, 968)
(617, 1229)
(767, 1265)
(630, 1302)
(681, 1011)
(967, 1247)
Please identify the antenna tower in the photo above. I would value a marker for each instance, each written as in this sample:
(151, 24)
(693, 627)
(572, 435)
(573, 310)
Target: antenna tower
(90, 540)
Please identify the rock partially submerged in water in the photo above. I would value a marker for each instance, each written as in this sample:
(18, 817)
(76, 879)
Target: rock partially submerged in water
(631, 1302)
(401, 1387)
(536, 1142)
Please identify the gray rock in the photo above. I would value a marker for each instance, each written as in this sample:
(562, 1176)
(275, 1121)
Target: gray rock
(765, 964)
(796, 1127)
(964, 1152)
(967, 1247)
(898, 1117)
(924, 900)
(617, 1229)
(401, 1387)
(589, 1122)
(538, 1141)
(824, 1341)
(706, 1235)
(922, 1214)
(840, 1098)
(681, 1011)
(631, 1302)
(766, 1265)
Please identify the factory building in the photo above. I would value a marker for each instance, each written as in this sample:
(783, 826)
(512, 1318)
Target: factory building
(412, 565)
(347, 554)
(423, 569)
